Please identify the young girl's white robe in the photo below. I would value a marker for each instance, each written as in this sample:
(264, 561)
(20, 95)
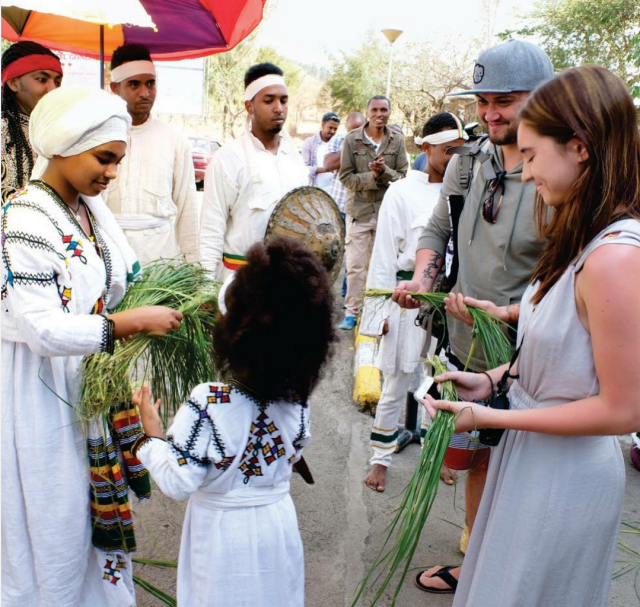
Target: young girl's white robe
(53, 277)
(232, 457)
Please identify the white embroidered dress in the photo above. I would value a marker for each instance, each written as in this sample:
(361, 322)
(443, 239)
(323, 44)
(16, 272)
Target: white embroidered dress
(242, 185)
(53, 277)
(232, 457)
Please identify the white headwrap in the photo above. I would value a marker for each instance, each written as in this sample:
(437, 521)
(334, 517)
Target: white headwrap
(72, 120)
(131, 69)
(262, 83)
(444, 136)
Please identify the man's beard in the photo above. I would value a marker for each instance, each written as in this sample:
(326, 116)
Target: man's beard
(276, 129)
(508, 138)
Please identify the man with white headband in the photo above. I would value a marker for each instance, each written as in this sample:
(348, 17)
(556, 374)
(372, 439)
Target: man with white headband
(496, 240)
(154, 197)
(406, 209)
(66, 539)
(248, 176)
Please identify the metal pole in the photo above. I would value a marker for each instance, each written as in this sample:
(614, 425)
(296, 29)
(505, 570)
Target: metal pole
(389, 71)
(102, 57)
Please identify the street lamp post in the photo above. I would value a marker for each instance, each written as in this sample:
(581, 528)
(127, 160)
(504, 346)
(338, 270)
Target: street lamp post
(391, 36)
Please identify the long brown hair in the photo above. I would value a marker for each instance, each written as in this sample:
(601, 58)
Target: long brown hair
(592, 104)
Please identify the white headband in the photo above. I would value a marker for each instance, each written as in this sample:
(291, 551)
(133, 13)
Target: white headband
(441, 137)
(132, 68)
(257, 85)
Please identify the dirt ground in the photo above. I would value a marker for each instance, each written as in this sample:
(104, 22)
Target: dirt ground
(341, 521)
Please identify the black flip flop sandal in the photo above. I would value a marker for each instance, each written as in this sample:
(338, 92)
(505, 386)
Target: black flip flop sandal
(445, 576)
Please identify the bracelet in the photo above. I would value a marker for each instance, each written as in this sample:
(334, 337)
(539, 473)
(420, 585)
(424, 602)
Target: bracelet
(490, 381)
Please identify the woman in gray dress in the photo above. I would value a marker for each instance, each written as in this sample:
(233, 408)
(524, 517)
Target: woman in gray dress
(547, 527)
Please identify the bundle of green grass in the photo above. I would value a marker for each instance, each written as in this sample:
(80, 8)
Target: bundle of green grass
(419, 496)
(173, 364)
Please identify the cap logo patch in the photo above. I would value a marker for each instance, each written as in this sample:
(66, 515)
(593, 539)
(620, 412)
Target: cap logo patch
(478, 73)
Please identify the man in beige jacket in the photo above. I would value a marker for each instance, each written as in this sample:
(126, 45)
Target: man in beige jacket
(373, 156)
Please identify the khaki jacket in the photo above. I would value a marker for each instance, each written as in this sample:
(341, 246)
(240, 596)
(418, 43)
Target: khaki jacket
(365, 191)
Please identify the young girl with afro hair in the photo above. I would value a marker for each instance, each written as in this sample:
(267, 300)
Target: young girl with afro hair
(232, 446)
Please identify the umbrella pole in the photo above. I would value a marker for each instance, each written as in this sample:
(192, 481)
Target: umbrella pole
(102, 57)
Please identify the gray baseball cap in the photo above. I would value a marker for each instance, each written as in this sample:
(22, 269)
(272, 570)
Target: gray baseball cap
(514, 65)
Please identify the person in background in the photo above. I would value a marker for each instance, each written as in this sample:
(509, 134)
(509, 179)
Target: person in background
(247, 177)
(315, 148)
(154, 196)
(406, 210)
(29, 72)
(332, 165)
(373, 156)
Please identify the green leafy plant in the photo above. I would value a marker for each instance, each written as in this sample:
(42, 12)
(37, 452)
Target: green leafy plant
(487, 329)
(173, 364)
(417, 501)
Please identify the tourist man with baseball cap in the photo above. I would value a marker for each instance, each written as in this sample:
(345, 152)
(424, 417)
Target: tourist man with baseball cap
(497, 243)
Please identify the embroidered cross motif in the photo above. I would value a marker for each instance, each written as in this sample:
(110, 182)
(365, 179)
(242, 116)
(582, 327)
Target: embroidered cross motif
(225, 463)
(65, 297)
(219, 394)
(182, 460)
(262, 439)
(75, 246)
(111, 568)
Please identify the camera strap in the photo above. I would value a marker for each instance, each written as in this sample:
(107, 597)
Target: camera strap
(506, 376)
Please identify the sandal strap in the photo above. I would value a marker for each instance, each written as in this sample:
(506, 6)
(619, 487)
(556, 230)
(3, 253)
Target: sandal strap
(446, 577)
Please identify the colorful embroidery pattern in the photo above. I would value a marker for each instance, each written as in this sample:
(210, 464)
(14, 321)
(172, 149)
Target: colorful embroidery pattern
(297, 441)
(186, 453)
(75, 247)
(265, 440)
(111, 568)
(65, 297)
(219, 394)
(225, 463)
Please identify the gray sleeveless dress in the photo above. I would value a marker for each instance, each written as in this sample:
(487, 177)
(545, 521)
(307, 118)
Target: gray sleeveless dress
(546, 530)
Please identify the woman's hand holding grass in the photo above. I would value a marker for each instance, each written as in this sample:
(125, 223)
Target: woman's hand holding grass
(470, 386)
(149, 414)
(470, 415)
(152, 320)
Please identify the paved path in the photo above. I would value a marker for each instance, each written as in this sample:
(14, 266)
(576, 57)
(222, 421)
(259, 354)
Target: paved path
(341, 521)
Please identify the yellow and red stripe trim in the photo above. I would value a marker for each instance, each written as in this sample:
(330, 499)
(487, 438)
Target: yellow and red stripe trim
(233, 262)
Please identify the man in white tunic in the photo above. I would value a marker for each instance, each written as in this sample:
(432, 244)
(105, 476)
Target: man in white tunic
(154, 196)
(248, 176)
(406, 209)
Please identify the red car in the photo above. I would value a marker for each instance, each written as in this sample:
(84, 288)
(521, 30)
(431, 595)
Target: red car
(202, 151)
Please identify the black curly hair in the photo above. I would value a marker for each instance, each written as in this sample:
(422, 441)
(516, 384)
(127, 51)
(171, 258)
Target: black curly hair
(129, 52)
(442, 121)
(278, 330)
(11, 110)
(259, 70)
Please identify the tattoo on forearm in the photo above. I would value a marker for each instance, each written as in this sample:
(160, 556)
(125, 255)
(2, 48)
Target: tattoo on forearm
(433, 267)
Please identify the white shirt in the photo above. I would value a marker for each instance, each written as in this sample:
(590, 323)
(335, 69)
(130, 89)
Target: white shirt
(323, 180)
(405, 211)
(154, 195)
(242, 185)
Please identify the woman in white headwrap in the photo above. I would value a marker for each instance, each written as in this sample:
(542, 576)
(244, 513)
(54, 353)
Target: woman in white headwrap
(66, 263)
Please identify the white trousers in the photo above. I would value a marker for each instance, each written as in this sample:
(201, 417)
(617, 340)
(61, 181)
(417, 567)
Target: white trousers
(384, 434)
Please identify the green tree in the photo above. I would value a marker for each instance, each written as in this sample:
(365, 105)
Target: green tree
(358, 76)
(577, 32)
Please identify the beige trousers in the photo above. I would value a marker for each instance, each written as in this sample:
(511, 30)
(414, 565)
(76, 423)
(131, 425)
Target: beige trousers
(358, 247)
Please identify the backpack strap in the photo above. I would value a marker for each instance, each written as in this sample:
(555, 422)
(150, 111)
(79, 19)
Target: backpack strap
(468, 155)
